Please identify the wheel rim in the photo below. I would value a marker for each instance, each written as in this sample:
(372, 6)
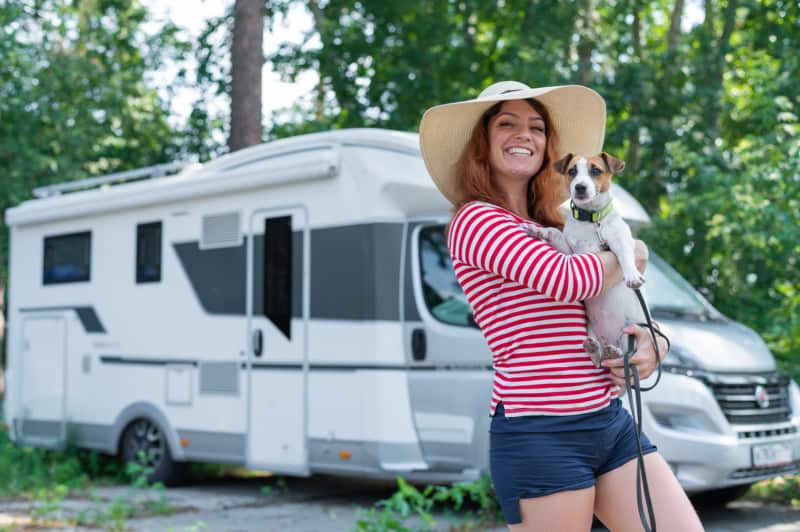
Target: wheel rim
(145, 443)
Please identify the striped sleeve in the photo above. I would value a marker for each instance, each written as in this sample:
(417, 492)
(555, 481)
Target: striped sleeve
(491, 239)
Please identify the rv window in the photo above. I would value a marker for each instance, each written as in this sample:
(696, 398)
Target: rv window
(443, 295)
(67, 258)
(148, 252)
(278, 272)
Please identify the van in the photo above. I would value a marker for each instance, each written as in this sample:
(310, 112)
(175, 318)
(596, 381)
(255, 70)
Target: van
(292, 307)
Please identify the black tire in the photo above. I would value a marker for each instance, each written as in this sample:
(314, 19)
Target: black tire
(145, 435)
(720, 497)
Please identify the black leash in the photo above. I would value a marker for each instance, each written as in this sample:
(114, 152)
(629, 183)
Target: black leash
(635, 404)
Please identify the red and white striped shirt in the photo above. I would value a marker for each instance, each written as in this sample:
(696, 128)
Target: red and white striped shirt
(527, 299)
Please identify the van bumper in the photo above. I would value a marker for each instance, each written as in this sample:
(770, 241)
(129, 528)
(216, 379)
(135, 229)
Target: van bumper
(684, 420)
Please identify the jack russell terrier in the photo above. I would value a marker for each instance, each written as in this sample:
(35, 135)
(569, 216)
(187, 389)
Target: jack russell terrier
(593, 225)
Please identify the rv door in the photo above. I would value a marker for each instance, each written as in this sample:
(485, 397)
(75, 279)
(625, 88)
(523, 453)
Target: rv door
(277, 312)
(43, 381)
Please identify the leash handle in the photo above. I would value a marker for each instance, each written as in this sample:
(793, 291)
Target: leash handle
(636, 412)
(635, 403)
(652, 330)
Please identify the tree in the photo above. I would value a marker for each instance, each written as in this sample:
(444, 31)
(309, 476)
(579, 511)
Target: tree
(247, 60)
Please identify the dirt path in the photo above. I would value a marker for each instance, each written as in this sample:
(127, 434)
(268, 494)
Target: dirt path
(325, 504)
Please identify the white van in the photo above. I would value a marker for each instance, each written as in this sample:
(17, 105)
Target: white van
(292, 307)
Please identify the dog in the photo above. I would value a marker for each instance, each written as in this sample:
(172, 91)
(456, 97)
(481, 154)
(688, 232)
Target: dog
(593, 225)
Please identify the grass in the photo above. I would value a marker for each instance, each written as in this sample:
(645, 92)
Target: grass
(467, 505)
(25, 470)
(47, 478)
(782, 490)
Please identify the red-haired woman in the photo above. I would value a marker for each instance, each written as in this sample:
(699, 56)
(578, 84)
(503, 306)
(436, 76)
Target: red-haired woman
(562, 447)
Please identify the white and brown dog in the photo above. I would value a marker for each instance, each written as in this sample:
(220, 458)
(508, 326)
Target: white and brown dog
(593, 225)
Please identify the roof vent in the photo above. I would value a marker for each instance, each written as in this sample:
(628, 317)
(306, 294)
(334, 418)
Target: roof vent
(221, 230)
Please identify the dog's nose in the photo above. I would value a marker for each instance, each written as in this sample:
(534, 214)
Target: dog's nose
(580, 189)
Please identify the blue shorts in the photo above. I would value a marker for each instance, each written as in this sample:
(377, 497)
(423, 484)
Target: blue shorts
(533, 456)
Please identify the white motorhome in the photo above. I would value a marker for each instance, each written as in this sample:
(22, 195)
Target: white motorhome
(292, 307)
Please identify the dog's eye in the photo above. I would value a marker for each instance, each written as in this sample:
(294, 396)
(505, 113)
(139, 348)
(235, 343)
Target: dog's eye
(572, 172)
(595, 171)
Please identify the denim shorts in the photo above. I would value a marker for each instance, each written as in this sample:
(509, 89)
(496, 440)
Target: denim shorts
(533, 456)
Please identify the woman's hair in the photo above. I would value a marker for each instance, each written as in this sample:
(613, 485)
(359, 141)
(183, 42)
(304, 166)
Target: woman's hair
(546, 189)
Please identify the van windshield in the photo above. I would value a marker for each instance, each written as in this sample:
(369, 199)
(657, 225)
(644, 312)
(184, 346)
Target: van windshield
(666, 292)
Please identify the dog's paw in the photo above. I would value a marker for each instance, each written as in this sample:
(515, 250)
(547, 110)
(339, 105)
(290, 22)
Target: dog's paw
(593, 348)
(611, 351)
(635, 280)
(591, 345)
(536, 231)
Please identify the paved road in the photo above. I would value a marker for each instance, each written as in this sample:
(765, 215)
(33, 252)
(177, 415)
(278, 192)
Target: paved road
(332, 504)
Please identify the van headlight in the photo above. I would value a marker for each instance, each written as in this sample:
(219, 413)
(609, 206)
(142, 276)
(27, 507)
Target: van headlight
(681, 360)
(794, 400)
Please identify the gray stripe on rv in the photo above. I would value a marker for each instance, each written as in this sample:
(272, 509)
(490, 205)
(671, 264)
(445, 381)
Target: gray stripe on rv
(202, 445)
(217, 446)
(36, 428)
(89, 319)
(355, 273)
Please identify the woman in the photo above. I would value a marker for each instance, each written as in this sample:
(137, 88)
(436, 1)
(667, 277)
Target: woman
(562, 448)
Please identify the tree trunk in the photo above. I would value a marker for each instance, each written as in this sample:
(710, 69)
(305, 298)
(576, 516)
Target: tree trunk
(585, 41)
(722, 48)
(674, 26)
(247, 60)
(632, 155)
(327, 59)
(661, 129)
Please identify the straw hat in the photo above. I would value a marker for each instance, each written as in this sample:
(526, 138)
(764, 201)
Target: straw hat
(578, 114)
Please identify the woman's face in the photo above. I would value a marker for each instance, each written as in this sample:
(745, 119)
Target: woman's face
(517, 141)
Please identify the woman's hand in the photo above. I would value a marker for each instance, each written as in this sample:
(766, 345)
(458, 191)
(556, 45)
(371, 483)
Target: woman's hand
(644, 358)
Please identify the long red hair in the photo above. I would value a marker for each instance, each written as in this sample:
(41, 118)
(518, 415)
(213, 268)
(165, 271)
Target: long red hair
(546, 189)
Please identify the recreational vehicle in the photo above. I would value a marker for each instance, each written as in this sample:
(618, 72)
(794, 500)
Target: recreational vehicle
(292, 307)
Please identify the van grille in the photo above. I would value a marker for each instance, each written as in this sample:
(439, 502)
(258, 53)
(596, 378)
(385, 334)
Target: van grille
(756, 472)
(740, 405)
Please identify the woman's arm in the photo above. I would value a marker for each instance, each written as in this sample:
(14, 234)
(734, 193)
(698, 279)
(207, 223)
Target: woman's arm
(486, 238)
(613, 271)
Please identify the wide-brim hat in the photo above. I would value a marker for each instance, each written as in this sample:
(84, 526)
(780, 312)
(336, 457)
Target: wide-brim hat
(577, 113)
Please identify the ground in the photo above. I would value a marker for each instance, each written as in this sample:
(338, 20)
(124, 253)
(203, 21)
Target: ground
(320, 503)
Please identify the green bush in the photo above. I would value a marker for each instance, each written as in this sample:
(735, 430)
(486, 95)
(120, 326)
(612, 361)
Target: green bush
(25, 470)
(474, 501)
(781, 490)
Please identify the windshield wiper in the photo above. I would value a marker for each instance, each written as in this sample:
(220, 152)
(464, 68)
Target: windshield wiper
(679, 312)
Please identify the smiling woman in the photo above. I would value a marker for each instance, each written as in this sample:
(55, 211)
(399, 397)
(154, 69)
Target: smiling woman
(551, 408)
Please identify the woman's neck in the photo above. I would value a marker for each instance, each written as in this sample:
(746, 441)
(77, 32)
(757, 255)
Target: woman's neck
(517, 201)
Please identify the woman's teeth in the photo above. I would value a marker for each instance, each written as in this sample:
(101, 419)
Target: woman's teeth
(519, 151)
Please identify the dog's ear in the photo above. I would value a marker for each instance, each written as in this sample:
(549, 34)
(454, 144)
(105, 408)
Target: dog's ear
(614, 164)
(561, 164)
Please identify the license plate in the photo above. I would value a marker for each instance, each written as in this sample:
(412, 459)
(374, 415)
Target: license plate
(771, 454)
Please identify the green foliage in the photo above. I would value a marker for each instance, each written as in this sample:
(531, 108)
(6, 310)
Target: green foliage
(74, 101)
(781, 490)
(474, 501)
(26, 470)
(279, 486)
(142, 498)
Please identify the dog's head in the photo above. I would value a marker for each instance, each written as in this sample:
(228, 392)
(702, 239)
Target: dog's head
(588, 176)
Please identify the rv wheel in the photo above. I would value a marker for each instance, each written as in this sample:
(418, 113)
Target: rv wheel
(144, 442)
